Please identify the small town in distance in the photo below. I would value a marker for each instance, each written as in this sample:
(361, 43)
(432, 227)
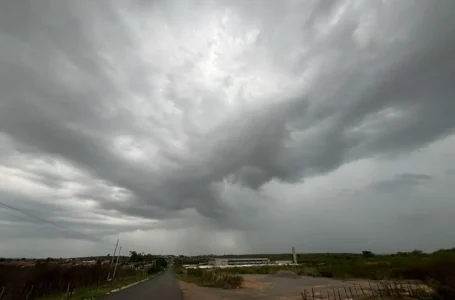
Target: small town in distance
(293, 275)
(226, 262)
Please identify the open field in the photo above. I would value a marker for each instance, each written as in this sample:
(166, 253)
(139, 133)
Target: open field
(324, 276)
(278, 287)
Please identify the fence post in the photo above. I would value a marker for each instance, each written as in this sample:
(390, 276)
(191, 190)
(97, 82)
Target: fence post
(328, 295)
(386, 291)
(334, 293)
(363, 292)
(352, 295)
(312, 292)
(303, 297)
(398, 288)
(1, 294)
(68, 291)
(372, 290)
(392, 290)
(411, 289)
(27, 295)
(339, 295)
(379, 290)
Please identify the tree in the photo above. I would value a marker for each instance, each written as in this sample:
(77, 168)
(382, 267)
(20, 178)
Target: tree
(159, 264)
(367, 254)
(135, 257)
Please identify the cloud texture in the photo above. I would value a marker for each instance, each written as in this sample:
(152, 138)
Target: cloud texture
(177, 121)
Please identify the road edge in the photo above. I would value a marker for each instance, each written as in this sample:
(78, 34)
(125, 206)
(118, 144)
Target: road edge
(134, 283)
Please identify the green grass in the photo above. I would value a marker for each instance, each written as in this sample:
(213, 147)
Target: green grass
(436, 269)
(209, 278)
(100, 291)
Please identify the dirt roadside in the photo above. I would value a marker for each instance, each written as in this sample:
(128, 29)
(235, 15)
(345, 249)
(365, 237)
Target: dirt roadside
(269, 287)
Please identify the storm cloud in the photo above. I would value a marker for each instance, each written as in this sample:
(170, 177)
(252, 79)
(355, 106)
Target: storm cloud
(226, 118)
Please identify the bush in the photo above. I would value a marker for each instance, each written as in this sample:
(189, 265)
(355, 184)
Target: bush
(47, 278)
(159, 264)
(326, 274)
(437, 269)
(209, 278)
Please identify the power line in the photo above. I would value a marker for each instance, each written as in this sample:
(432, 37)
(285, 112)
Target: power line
(49, 222)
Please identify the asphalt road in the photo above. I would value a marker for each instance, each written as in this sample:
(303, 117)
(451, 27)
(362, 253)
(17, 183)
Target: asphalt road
(164, 286)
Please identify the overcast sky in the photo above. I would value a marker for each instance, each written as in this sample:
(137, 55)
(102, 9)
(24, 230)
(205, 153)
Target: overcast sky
(192, 127)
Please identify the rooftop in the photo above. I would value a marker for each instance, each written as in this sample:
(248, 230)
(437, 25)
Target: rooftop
(235, 258)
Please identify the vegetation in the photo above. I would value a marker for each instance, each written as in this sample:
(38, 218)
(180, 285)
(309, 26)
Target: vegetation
(50, 278)
(436, 269)
(47, 279)
(159, 265)
(141, 257)
(209, 278)
(95, 291)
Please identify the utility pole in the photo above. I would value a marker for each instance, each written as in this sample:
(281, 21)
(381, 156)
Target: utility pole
(113, 256)
(112, 261)
(115, 268)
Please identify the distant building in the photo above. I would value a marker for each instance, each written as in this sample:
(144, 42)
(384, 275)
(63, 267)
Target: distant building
(284, 262)
(238, 261)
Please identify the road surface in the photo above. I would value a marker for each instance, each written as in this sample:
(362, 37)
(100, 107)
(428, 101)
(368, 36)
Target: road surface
(164, 286)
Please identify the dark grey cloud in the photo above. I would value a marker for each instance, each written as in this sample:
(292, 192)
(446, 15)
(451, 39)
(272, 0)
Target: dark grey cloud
(176, 120)
(401, 182)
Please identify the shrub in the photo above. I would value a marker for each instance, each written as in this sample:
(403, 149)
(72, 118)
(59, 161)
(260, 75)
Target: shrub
(210, 278)
(324, 273)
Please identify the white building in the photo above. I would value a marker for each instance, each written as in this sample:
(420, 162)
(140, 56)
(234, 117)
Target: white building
(238, 261)
(284, 262)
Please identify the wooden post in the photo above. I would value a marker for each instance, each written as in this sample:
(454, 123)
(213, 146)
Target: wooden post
(398, 289)
(386, 289)
(328, 295)
(371, 288)
(334, 293)
(68, 291)
(1, 294)
(411, 289)
(392, 290)
(352, 295)
(304, 291)
(403, 289)
(312, 292)
(355, 289)
(339, 295)
(379, 290)
(27, 295)
(360, 286)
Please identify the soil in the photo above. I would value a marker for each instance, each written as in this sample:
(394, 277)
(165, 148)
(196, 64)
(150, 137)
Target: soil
(283, 287)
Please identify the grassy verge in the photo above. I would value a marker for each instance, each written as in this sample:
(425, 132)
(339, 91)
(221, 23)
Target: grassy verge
(209, 278)
(98, 292)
